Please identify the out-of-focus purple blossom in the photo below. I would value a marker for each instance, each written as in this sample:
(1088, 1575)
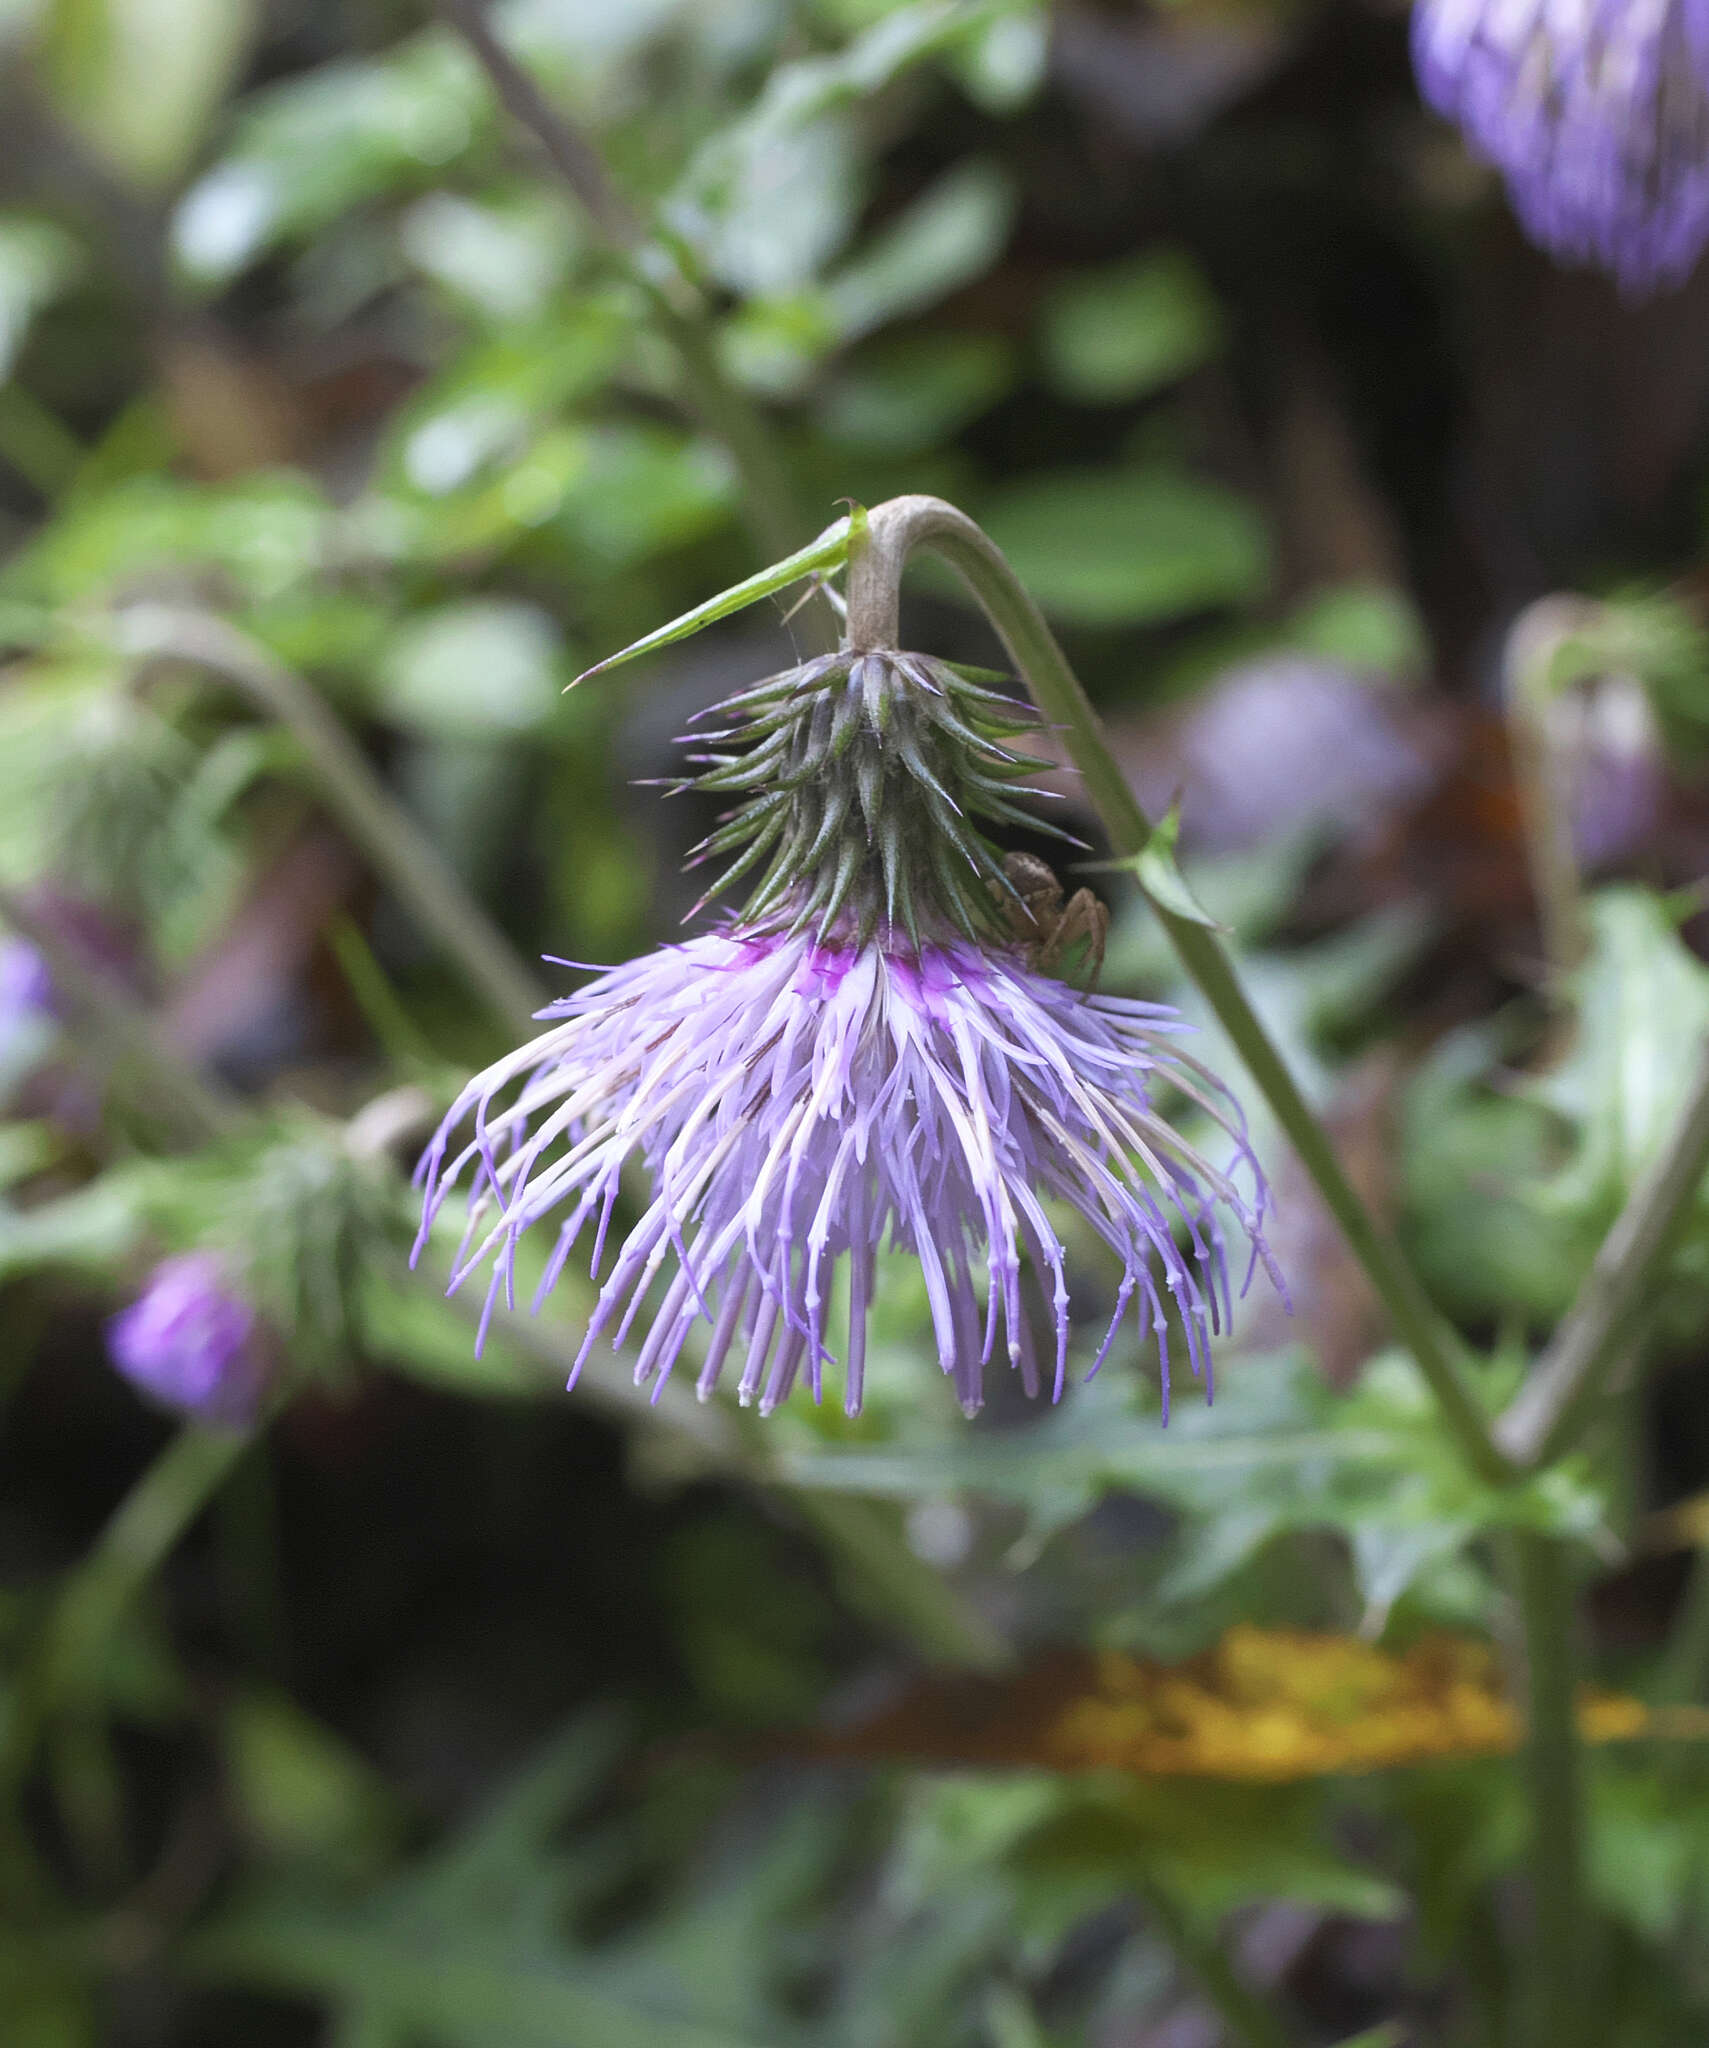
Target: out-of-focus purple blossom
(1597, 114)
(1607, 741)
(191, 1343)
(26, 987)
(795, 1104)
(1279, 745)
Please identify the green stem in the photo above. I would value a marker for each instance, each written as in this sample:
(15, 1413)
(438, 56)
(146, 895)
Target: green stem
(1684, 1674)
(398, 847)
(894, 531)
(1554, 1768)
(1539, 634)
(1247, 2021)
(1550, 1410)
(143, 1531)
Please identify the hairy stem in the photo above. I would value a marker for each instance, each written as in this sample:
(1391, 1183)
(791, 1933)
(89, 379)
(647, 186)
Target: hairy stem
(400, 850)
(1554, 1769)
(1549, 1411)
(894, 531)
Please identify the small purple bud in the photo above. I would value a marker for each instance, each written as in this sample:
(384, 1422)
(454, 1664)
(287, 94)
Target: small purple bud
(192, 1344)
(26, 986)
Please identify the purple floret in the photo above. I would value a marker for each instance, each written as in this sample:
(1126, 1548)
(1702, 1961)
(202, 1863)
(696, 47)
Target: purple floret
(796, 1105)
(192, 1344)
(1597, 114)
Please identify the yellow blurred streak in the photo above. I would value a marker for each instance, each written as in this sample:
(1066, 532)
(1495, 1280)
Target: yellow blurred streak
(1684, 1526)
(1263, 1706)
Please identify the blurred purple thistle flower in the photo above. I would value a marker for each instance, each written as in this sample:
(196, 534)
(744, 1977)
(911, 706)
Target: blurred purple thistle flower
(1597, 114)
(26, 986)
(795, 1103)
(192, 1344)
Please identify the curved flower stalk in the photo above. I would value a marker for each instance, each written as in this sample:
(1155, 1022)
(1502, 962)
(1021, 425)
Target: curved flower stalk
(868, 1055)
(1597, 114)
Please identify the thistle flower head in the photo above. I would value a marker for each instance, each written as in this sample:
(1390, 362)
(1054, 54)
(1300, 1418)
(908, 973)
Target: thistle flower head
(1597, 114)
(867, 1055)
(193, 1344)
(861, 783)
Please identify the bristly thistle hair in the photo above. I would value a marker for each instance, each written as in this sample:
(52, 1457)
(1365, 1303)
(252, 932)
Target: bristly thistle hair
(862, 782)
(866, 1054)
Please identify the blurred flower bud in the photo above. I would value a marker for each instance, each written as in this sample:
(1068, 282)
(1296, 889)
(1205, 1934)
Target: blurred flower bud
(191, 1343)
(26, 986)
(1611, 754)
(1283, 744)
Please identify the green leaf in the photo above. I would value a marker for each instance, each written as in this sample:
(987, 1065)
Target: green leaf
(505, 256)
(1279, 1451)
(785, 199)
(829, 551)
(1076, 1843)
(472, 1946)
(37, 262)
(907, 394)
(879, 55)
(139, 79)
(45, 1999)
(772, 196)
(1369, 626)
(1154, 868)
(950, 235)
(1111, 336)
(303, 1796)
(1125, 547)
(307, 150)
(1005, 66)
(478, 667)
(91, 1231)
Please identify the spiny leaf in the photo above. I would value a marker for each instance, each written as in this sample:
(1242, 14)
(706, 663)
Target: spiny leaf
(829, 551)
(1154, 868)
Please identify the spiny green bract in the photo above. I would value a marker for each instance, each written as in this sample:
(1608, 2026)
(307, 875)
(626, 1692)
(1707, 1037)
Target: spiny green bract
(863, 779)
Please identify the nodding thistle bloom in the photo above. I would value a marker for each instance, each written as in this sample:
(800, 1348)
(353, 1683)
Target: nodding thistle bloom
(192, 1344)
(1597, 114)
(870, 1052)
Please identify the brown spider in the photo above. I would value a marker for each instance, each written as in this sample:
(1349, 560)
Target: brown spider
(1042, 922)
